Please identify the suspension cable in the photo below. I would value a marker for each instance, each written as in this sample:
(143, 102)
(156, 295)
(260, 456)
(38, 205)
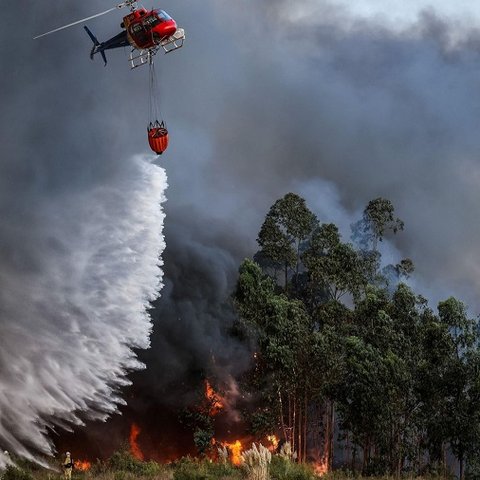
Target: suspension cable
(154, 108)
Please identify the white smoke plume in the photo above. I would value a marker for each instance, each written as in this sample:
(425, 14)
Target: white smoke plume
(71, 319)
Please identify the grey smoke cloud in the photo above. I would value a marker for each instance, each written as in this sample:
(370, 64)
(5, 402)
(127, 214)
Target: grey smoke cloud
(373, 111)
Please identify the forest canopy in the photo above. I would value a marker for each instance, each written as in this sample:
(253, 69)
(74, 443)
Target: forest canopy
(351, 364)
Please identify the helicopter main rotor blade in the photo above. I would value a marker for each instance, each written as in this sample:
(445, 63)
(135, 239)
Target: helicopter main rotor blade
(78, 21)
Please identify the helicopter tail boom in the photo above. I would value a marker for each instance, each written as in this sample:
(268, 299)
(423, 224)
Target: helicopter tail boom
(97, 46)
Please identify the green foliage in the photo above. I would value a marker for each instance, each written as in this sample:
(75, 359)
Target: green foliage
(199, 420)
(284, 469)
(403, 381)
(14, 473)
(333, 266)
(124, 461)
(189, 468)
(288, 223)
(203, 440)
(262, 421)
(378, 218)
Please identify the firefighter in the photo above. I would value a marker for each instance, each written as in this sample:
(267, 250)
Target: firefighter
(67, 466)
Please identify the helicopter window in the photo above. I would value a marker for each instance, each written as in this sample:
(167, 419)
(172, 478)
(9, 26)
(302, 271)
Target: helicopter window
(164, 16)
(137, 28)
(151, 21)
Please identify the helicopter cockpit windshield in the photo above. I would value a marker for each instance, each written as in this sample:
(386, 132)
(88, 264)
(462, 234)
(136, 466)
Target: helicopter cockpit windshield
(163, 16)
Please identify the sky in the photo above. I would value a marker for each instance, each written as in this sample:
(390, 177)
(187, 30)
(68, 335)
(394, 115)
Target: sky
(339, 104)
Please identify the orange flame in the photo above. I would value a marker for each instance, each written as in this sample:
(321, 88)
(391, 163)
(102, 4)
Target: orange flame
(321, 467)
(274, 442)
(134, 448)
(82, 465)
(235, 451)
(214, 399)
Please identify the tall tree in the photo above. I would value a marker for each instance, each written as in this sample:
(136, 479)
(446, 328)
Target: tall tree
(462, 408)
(288, 223)
(378, 218)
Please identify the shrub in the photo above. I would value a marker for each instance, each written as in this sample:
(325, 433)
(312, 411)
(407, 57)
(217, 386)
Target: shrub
(282, 468)
(124, 461)
(14, 473)
(189, 468)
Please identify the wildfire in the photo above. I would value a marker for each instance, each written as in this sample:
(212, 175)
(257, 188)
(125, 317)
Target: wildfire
(274, 441)
(320, 468)
(134, 448)
(235, 451)
(82, 465)
(214, 399)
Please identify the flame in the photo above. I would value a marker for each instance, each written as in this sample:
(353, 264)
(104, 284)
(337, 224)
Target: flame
(82, 465)
(321, 467)
(235, 451)
(214, 399)
(134, 448)
(274, 441)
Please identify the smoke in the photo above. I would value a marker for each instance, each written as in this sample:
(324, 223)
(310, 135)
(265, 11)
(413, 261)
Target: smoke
(373, 111)
(74, 302)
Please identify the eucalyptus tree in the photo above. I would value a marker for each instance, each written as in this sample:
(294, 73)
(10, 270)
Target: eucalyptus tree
(287, 225)
(462, 420)
(377, 219)
(282, 329)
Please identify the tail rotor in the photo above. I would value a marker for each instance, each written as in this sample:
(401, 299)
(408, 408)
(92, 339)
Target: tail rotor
(97, 46)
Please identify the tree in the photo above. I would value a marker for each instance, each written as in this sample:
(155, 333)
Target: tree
(462, 424)
(282, 330)
(378, 218)
(334, 268)
(288, 223)
(346, 343)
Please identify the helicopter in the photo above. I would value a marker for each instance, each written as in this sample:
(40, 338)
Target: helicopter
(146, 31)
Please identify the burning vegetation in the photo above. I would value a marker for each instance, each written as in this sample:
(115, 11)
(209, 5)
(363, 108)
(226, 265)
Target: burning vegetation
(134, 447)
(214, 400)
(82, 465)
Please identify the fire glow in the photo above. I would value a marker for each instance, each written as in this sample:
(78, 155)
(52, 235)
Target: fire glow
(82, 465)
(134, 447)
(214, 399)
(320, 468)
(274, 442)
(235, 449)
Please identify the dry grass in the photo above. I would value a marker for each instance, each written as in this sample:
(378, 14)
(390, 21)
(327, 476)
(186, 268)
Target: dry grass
(256, 462)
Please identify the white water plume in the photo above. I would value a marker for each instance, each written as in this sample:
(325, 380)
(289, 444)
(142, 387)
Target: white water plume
(70, 320)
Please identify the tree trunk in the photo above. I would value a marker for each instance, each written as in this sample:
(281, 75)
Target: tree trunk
(354, 459)
(348, 450)
(294, 422)
(299, 431)
(282, 418)
(444, 460)
(366, 455)
(328, 436)
(289, 438)
(305, 417)
(332, 435)
(398, 448)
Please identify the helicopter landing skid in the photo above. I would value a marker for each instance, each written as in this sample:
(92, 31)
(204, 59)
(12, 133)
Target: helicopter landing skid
(143, 57)
(174, 42)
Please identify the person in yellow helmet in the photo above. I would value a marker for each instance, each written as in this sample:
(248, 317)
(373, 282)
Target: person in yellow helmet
(67, 466)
